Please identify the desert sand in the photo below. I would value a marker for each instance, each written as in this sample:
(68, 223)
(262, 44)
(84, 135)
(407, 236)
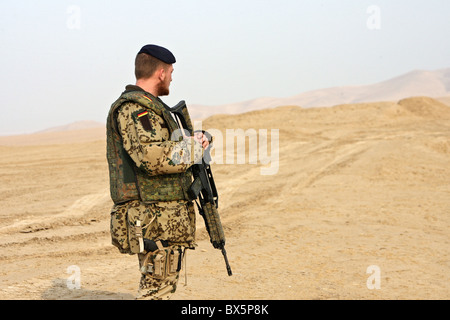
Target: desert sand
(358, 186)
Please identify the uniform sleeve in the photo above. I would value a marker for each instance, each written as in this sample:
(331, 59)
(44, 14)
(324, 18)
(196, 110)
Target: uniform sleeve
(146, 139)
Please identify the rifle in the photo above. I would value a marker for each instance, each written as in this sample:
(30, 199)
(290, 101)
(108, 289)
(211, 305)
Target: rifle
(203, 187)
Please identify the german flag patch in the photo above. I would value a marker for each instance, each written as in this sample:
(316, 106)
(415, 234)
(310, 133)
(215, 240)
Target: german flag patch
(144, 119)
(142, 114)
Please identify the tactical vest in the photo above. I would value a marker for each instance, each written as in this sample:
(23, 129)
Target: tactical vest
(127, 181)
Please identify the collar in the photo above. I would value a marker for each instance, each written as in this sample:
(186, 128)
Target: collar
(131, 87)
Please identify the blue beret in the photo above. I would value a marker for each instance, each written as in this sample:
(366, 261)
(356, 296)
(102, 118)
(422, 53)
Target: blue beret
(159, 53)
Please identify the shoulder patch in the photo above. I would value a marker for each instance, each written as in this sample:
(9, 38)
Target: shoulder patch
(143, 117)
(145, 121)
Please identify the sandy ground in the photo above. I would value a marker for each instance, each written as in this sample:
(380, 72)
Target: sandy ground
(357, 186)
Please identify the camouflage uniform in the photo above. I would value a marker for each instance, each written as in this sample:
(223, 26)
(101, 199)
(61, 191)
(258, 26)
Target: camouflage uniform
(173, 221)
(149, 174)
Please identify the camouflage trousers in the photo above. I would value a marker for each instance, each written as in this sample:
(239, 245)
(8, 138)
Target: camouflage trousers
(170, 221)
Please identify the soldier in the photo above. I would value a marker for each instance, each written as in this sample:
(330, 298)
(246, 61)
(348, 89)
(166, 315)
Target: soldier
(149, 176)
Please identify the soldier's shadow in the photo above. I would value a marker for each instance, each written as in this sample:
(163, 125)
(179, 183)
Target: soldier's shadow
(60, 291)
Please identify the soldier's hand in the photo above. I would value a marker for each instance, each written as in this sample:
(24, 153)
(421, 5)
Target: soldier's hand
(201, 138)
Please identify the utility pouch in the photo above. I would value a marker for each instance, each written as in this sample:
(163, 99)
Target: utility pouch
(162, 262)
(118, 228)
(138, 220)
(155, 262)
(128, 225)
(175, 261)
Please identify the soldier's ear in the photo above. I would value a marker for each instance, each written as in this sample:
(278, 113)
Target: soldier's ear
(162, 74)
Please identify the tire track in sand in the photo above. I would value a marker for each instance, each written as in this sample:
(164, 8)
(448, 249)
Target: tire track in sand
(78, 209)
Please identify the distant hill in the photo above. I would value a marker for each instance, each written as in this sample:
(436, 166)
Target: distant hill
(58, 135)
(445, 100)
(433, 84)
(78, 125)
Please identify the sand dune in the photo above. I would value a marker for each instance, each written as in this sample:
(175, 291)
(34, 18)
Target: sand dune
(415, 83)
(358, 185)
(77, 125)
(55, 137)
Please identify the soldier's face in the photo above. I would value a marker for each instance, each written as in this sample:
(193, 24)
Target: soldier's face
(166, 79)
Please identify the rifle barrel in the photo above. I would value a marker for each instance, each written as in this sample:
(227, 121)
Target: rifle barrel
(224, 252)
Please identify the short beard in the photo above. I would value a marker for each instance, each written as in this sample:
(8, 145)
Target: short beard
(162, 90)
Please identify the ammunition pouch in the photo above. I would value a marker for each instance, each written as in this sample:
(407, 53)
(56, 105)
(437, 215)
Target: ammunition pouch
(162, 262)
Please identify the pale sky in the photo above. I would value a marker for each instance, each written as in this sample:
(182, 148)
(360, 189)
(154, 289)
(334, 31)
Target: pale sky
(65, 61)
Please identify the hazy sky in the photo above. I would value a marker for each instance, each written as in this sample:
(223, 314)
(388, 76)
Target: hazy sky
(65, 61)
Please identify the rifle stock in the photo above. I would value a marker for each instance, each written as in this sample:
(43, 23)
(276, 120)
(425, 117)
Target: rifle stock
(203, 188)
